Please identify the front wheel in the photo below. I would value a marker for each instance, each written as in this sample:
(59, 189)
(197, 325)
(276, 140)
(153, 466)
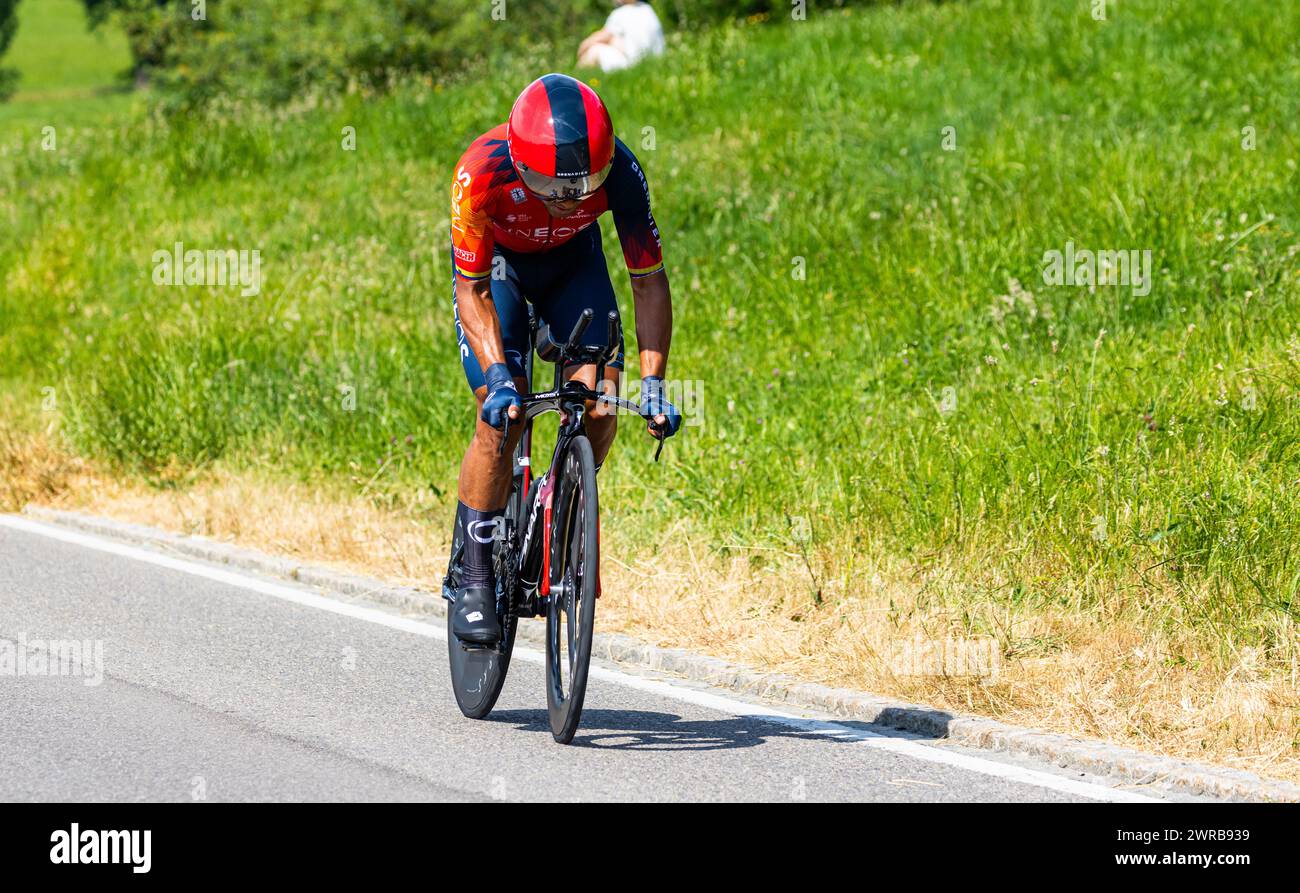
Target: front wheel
(571, 611)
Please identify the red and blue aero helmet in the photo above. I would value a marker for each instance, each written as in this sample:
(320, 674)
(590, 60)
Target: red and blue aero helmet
(560, 138)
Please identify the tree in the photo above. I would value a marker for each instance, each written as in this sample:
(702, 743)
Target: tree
(8, 25)
(150, 27)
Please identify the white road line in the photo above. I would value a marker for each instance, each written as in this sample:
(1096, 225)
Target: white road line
(903, 746)
(707, 699)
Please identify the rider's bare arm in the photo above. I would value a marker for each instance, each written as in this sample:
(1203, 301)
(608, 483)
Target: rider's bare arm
(654, 321)
(472, 251)
(478, 317)
(629, 200)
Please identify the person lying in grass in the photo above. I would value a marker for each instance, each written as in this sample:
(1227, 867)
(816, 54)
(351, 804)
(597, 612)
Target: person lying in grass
(631, 33)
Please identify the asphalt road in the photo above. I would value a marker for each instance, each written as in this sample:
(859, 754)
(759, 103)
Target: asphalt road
(227, 687)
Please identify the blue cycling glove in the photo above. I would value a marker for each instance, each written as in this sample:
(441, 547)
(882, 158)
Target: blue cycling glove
(655, 403)
(501, 395)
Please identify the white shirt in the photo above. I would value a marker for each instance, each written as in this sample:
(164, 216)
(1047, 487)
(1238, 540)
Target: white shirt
(638, 28)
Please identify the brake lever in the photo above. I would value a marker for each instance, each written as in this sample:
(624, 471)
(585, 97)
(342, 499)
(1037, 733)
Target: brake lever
(659, 435)
(505, 437)
(658, 431)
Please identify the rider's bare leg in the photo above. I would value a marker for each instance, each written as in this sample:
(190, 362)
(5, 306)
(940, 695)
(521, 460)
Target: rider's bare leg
(485, 473)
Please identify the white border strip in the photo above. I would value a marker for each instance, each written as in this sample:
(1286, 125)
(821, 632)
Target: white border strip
(707, 699)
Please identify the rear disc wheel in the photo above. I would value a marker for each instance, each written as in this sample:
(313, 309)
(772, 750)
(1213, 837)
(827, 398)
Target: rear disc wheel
(478, 672)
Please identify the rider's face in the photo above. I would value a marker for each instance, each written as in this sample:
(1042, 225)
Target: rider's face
(562, 207)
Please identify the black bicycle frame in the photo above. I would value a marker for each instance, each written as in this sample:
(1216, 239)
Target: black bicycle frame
(570, 400)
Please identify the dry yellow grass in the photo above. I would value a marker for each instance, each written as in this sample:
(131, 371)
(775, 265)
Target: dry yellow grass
(31, 470)
(1106, 674)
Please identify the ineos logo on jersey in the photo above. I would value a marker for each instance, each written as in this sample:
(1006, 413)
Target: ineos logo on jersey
(461, 183)
(476, 526)
(560, 232)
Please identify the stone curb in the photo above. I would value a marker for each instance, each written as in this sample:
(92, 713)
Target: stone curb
(1118, 764)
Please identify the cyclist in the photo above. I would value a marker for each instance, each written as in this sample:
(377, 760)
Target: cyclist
(524, 206)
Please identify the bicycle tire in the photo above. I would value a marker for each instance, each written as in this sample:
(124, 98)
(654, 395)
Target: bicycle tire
(477, 673)
(571, 611)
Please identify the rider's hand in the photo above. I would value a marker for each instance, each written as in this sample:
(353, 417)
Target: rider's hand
(502, 401)
(656, 405)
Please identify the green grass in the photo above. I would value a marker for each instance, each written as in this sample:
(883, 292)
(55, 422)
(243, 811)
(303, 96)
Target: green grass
(66, 70)
(1155, 464)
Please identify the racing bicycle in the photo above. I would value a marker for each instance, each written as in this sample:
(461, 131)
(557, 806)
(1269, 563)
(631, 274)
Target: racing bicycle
(546, 550)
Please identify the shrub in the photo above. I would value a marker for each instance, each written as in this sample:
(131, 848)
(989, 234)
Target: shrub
(275, 50)
(8, 25)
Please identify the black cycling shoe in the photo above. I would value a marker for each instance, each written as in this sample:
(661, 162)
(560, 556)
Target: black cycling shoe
(475, 617)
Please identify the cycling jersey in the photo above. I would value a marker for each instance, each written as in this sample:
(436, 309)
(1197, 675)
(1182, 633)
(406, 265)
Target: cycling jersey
(559, 284)
(490, 207)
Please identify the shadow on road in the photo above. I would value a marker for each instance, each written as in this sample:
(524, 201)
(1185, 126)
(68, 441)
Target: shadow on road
(652, 730)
